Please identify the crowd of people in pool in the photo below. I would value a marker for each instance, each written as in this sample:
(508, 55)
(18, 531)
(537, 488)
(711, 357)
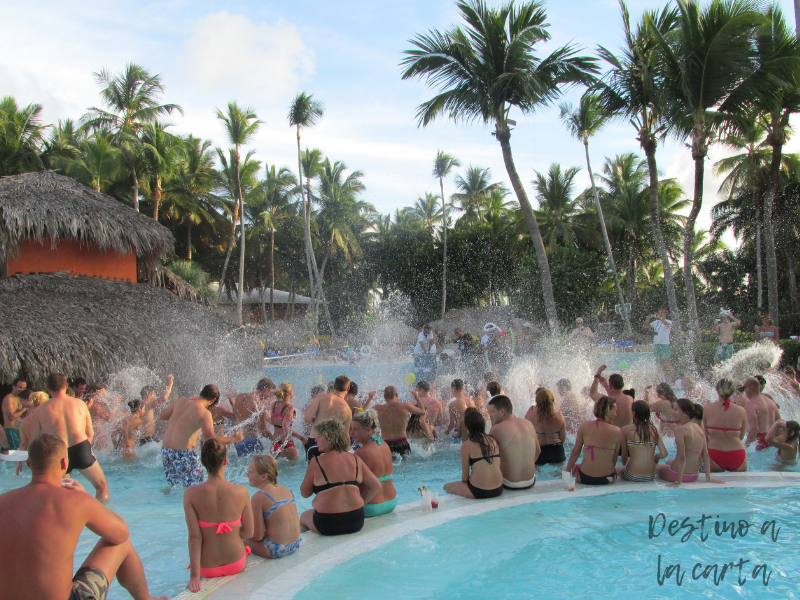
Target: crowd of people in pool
(349, 447)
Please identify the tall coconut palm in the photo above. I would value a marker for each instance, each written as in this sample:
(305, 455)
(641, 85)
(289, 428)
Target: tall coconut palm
(584, 122)
(633, 90)
(427, 210)
(708, 64)
(241, 124)
(474, 190)
(98, 163)
(487, 68)
(132, 99)
(21, 137)
(442, 166)
(61, 146)
(162, 152)
(558, 206)
(304, 111)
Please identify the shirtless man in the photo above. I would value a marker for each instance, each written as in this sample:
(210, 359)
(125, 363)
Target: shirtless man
(726, 326)
(458, 405)
(186, 418)
(569, 405)
(13, 410)
(350, 398)
(393, 419)
(245, 406)
(147, 431)
(519, 445)
(78, 387)
(433, 407)
(129, 429)
(762, 412)
(69, 419)
(613, 387)
(582, 334)
(327, 406)
(45, 519)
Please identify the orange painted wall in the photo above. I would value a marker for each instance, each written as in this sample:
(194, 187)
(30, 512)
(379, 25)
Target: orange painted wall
(80, 258)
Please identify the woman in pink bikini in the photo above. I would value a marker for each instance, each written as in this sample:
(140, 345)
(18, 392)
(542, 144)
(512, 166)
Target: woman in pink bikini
(282, 418)
(690, 441)
(726, 425)
(219, 518)
(664, 407)
(603, 442)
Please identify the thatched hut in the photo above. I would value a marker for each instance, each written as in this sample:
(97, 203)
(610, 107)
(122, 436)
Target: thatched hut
(51, 223)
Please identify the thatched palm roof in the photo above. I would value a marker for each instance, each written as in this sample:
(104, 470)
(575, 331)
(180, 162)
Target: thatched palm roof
(45, 204)
(91, 327)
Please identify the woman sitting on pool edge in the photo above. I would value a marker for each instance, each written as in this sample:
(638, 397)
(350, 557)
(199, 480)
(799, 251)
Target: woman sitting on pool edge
(276, 531)
(725, 424)
(340, 481)
(691, 449)
(600, 434)
(481, 476)
(641, 438)
(784, 436)
(215, 544)
(377, 456)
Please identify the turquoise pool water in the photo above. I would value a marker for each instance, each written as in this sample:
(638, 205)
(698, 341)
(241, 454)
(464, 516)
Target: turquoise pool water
(595, 547)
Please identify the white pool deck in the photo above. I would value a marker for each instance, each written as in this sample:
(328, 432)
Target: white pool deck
(285, 577)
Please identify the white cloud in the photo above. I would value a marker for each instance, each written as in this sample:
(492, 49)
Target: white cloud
(231, 53)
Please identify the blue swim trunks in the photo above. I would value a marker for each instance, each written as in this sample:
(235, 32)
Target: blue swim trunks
(280, 550)
(182, 467)
(12, 435)
(249, 445)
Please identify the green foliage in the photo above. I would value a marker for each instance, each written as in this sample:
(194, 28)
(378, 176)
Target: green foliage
(791, 352)
(191, 273)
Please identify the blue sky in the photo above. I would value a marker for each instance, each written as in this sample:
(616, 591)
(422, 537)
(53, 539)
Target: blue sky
(346, 53)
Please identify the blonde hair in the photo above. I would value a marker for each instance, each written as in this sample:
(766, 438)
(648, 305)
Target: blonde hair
(266, 465)
(284, 391)
(336, 434)
(38, 398)
(726, 387)
(367, 418)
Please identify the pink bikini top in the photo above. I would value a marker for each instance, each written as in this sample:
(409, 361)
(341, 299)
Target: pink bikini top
(592, 448)
(221, 527)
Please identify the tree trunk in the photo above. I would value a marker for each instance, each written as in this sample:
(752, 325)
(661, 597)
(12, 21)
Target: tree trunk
(648, 143)
(688, 237)
(241, 246)
(230, 247)
(135, 189)
(306, 229)
(157, 197)
(503, 136)
(272, 274)
(261, 294)
(290, 312)
(759, 266)
(797, 17)
(625, 316)
(792, 281)
(189, 240)
(444, 245)
(631, 278)
(769, 228)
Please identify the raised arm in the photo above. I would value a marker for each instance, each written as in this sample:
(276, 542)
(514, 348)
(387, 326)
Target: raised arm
(156, 402)
(598, 379)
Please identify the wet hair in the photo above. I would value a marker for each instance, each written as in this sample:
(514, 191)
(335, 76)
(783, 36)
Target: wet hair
(476, 429)
(699, 411)
(264, 384)
(616, 382)
(603, 406)
(663, 390)
(501, 402)
(762, 380)
(793, 427)
(134, 405)
(390, 392)
(78, 381)
(147, 390)
(341, 383)
(726, 387)
(317, 390)
(210, 392)
(367, 418)
(645, 429)
(336, 434)
(353, 389)
(25, 394)
(493, 388)
(19, 380)
(631, 392)
(457, 385)
(564, 384)
(56, 382)
(44, 452)
(284, 390)
(38, 398)
(265, 464)
(212, 455)
(545, 403)
(424, 386)
(687, 408)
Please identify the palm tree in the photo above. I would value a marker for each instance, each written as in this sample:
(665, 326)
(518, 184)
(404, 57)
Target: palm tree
(708, 63)
(475, 189)
(98, 163)
(583, 122)
(442, 165)
(427, 210)
(62, 146)
(162, 152)
(558, 207)
(304, 111)
(241, 125)
(486, 69)
(21, 137)
(132, 99)
(634, 91)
